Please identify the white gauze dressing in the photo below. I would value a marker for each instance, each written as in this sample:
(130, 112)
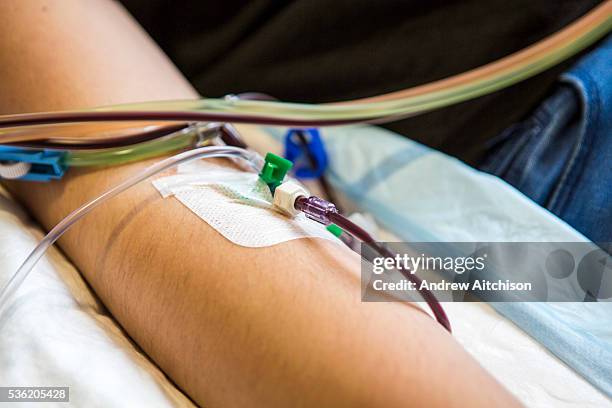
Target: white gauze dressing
(237, 204)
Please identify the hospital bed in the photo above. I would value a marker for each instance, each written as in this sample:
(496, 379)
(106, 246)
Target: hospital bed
(55, 332)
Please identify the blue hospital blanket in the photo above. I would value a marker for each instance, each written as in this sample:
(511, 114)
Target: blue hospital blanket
(422, 195)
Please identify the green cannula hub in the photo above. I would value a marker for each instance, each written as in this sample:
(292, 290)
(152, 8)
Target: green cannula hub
(274, 170)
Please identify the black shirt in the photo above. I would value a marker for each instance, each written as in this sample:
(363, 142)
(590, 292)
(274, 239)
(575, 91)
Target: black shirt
(331, 50)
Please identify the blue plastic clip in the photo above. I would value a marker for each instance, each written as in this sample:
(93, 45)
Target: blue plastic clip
(302, 154)
(46, 164)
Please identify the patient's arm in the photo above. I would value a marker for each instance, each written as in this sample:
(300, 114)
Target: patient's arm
(232, 326)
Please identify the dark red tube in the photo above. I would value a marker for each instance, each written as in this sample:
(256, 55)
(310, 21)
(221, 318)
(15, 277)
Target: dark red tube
(326, 213)
(165, 116)
(361, 234)
(106, 143)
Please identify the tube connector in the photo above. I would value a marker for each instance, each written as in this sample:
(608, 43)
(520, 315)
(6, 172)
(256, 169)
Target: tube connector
(316, 208)
(286, 195)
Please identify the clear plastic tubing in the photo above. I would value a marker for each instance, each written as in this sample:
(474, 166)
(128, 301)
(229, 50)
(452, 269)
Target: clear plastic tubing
(203, 152)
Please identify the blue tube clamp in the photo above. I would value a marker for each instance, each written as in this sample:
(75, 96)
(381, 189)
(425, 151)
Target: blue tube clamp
(298, 153)
(44, 165)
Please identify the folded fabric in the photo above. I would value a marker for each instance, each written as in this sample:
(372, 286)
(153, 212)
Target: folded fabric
(54, 332)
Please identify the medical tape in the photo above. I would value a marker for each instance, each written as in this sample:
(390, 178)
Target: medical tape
(237, 204)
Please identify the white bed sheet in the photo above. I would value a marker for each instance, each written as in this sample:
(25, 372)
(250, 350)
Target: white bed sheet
(525, 367)
(55, 333)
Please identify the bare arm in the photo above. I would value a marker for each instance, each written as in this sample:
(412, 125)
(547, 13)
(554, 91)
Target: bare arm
(232, 326)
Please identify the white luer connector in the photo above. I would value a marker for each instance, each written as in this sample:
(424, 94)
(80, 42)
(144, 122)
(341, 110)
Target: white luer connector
(285, 196)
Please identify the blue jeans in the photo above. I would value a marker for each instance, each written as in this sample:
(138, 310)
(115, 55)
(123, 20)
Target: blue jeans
(561, 156)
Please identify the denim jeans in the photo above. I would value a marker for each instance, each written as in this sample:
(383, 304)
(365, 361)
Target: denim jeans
(561, 156)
